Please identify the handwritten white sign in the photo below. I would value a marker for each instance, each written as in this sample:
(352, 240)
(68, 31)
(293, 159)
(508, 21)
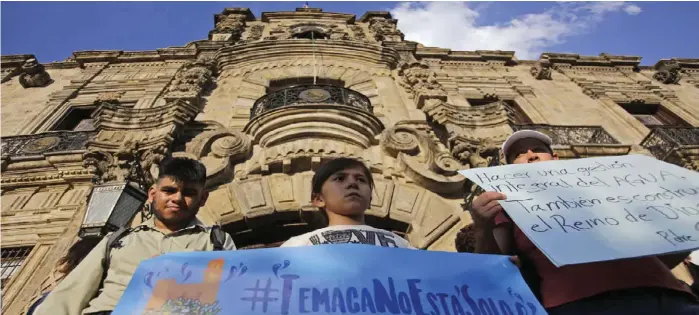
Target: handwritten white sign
(598, 209)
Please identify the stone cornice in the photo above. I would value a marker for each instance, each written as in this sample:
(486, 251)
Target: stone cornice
(603, 60)
(228, 11)
(478, 55)
(270, 17)
(116, 117)
(119, 56)
(370, 14)
(258, 52)
(12, 61)
(682, 62)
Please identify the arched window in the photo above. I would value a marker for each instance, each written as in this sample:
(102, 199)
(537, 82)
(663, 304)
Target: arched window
(310, 35)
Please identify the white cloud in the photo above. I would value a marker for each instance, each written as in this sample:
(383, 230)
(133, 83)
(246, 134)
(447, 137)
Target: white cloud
(632, 9)
(455, 25)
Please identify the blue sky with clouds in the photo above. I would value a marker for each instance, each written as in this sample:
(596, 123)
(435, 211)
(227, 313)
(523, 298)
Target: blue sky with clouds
(653, 30)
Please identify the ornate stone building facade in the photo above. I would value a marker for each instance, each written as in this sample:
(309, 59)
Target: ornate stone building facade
(264, 100)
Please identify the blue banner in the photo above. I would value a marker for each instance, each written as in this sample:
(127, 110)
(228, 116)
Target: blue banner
(328, 279)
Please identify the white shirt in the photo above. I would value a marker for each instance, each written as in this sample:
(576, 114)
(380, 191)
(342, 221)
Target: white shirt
(343, 234)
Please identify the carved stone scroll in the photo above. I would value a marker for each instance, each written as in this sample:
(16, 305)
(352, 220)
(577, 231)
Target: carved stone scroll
(669, 72)
(422, 158)
(219, 150)
(34, 74)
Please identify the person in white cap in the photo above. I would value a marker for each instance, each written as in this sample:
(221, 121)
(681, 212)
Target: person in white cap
(629, 286)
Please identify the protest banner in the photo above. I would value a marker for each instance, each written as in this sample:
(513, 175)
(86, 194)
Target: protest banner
(598, 209)
(328, 279)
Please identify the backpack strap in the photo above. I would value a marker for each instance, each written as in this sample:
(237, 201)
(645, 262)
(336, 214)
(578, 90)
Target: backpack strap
(112, 240)
(218, 237)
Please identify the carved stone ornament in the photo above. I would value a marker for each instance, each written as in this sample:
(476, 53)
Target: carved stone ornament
(117, 166)
(669, 73)
(385, 29)
(219, 150)
(111, 97)
(421, 157)
(279, 32)
(34, 74)
(254, 33)
(419, 78)
(476, 152)
(192, 79)
(233, 25)
(358, 33)
(542, 70)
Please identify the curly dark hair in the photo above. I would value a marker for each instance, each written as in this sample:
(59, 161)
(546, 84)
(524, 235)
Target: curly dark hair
(76, 253)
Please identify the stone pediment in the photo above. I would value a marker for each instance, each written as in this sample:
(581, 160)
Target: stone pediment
(308, 14)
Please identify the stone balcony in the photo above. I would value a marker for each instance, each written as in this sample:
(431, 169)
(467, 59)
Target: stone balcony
(567, 135)
(312, 122)
(677, 145)
(43, 143)
(310, 94)
(579, 141)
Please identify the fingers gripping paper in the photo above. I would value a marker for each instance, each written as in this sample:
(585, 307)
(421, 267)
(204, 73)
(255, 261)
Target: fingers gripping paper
(328, 279)
(597, 209)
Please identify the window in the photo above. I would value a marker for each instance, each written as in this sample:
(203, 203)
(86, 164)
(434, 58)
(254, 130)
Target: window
(653, 114)
(311, 35)
(516, 114)
(12, 259)
(277, 85)
(77, 119)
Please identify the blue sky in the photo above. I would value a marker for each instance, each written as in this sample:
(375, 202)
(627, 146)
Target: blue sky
(653, 30)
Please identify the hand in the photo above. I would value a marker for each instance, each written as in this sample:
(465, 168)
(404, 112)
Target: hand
(485, 208)
(515, 260)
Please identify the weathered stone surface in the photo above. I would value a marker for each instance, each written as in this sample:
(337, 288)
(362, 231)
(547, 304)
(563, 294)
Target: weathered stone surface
(415, 115)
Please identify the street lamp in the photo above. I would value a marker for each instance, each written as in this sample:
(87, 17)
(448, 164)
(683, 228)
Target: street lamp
(113, 205)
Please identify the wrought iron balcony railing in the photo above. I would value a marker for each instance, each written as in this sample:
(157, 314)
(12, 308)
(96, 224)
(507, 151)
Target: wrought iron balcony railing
(310, 94)
(56, 141)
(662, 140)
(572, 134)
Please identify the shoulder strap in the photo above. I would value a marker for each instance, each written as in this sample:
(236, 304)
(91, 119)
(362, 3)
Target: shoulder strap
(112, 239)
(218, 237)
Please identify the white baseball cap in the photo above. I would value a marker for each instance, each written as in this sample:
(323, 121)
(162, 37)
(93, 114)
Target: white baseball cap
(523, 134)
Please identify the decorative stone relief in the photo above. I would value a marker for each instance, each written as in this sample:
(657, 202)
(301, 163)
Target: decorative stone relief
(118, 166)
(385, 29)
(420, 155)
(420, 82)
(229, 27)
(358, 33)
(34, 74)
(192, 78)
(111, 97)
(279, 32)
(542, 70)
(219, 150)
(254, 33)
(476, 152)
(669, 72)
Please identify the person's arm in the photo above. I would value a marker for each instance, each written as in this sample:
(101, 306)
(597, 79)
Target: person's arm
(490, 238)
(672, 260)
(78, 288)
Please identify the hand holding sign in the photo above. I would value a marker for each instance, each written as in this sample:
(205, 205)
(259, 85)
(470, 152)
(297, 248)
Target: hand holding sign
(485, 208)
(614, 207)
